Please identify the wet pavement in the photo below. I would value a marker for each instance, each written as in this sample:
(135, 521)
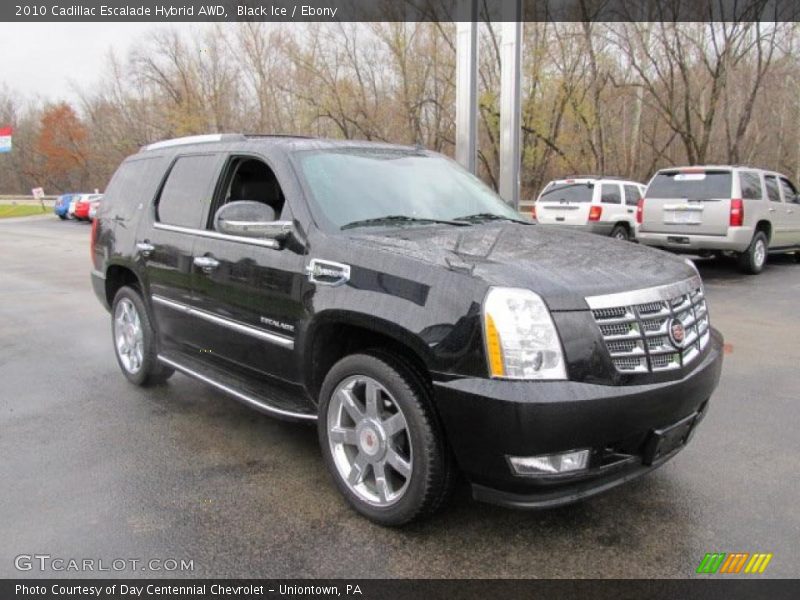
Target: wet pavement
(94, 467)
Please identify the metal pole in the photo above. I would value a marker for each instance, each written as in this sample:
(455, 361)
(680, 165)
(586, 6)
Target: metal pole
(467, 87)
(510, 102)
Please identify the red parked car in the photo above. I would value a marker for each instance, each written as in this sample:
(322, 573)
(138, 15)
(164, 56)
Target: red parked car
(83, 205)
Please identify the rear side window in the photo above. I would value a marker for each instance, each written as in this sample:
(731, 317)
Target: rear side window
(609, 194)
(772, 188)
(568, 192)
(691, 185)
(135, 182)
(789, 193)
(751, 185)
(632, 195)
(187, 191)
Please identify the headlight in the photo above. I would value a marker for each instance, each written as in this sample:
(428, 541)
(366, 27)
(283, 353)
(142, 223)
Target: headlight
(520, 338)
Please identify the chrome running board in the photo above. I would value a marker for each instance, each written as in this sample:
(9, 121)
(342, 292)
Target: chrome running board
(242, 397)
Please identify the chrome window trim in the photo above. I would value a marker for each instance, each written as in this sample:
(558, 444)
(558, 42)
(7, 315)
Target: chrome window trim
(272, 244)
(242, 397)
(223, 322)
(642, 296)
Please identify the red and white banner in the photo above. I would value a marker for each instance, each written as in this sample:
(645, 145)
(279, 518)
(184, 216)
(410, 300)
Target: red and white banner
(5, 139)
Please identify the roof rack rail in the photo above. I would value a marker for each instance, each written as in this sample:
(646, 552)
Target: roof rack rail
(590, 176)
(279, 135)
(217, 137)
(194, 139)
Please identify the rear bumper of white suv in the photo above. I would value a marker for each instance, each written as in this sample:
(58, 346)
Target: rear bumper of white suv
(737, 239)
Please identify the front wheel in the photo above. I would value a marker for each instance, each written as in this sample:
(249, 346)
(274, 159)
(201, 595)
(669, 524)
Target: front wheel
(753, 259)
(135, 339)
(380, 439)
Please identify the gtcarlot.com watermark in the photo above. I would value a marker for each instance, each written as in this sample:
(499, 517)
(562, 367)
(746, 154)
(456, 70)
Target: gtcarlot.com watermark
(57, 564)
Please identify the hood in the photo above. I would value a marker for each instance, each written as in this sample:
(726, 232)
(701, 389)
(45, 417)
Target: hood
(560, 265)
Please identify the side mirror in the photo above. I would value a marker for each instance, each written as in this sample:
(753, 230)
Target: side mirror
(245, 218)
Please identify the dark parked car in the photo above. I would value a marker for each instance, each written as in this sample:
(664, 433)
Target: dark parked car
(388, 295)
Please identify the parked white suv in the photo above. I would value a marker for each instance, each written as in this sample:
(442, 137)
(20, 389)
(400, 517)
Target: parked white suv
(604, 205)
(712, 209)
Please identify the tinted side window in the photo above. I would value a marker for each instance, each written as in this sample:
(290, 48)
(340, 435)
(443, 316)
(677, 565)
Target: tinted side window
(609, 194)
(772, 188)
(789, 193)
(751, 185)
(632, 195)
(135, 182)
(187, 191)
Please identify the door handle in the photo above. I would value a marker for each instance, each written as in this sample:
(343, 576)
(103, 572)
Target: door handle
(145, 248)
(206, 263)
(771, 210)
(630, 210)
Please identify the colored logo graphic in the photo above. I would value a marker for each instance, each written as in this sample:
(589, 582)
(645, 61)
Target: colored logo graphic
(734, 562)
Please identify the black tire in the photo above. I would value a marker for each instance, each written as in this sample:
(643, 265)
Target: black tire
(797, 256)
(62, 217)
(433, 474)
(151, 371)
(753, 259)
(620, 232)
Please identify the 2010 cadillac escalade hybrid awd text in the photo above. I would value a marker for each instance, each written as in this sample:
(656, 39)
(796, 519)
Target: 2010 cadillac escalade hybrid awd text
(388, 295)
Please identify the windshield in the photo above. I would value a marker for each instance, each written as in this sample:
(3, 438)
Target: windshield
(354, 185)
(568, 192)
(692, 185)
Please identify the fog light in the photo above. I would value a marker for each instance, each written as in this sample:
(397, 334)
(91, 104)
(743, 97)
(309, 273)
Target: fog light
(550, 464)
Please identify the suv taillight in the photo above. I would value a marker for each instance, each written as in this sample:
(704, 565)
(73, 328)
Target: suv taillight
(640, 211)
(93, 240)
(595, 213)
(737, 213)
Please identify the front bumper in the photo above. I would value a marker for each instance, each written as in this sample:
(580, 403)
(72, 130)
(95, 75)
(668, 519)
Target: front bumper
(736, 239)
(486, 421)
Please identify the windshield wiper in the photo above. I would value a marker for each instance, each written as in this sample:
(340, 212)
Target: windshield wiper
(477, 217)
(389, 219)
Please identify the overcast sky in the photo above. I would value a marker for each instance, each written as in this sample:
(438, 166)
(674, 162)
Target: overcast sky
(41, 59)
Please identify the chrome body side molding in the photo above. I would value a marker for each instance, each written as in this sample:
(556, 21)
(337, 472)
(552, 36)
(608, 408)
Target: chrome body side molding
(261, 334)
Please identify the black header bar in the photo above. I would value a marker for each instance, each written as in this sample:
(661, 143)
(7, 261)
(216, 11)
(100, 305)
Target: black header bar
(396, 10)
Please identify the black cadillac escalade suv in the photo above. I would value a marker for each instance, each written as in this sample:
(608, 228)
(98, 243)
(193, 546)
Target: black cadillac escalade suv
(391, 297)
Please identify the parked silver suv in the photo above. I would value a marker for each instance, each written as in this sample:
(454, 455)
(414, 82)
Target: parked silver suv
(713, 209)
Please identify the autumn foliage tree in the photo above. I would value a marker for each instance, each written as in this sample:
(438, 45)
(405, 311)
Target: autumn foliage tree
(62, 147)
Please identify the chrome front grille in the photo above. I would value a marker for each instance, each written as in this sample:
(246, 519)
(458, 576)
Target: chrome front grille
(636, 326)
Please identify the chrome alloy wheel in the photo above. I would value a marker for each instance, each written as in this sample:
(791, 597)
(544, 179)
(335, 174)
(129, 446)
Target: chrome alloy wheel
(128, 336)
(369, 440)
(760, 253)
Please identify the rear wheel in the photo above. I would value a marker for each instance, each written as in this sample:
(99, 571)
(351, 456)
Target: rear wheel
(62, 217)
(381, 441)
(135, 340)
(753, 259)
(620, 232)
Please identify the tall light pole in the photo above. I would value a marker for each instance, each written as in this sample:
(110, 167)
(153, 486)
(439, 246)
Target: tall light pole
(467, 85)
(510, 101)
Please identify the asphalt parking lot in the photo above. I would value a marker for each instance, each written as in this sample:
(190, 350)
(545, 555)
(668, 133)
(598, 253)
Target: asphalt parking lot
(93, 467)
